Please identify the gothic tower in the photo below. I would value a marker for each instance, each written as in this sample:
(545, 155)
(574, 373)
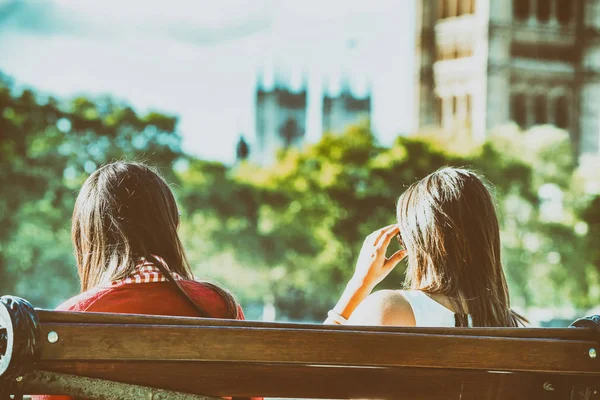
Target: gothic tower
(280, 119)
(481, 63)
(345, 109)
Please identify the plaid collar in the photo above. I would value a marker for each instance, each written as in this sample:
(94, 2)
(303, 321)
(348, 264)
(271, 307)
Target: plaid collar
(147, 272)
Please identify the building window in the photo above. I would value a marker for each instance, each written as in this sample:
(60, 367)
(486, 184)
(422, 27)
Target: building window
(454, 50)
(548, 52)
(564, 11)
(521, 9)
(541, 109)
(466, 7)
(454, 8)
(441, 9)
(518, 109)
(561, 112)
(454, 106)
(441, 52)
(543, 10)
(464, 48)
(450, 8)
(468, 106)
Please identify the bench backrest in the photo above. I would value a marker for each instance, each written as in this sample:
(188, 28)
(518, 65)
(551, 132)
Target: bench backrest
(242, 359)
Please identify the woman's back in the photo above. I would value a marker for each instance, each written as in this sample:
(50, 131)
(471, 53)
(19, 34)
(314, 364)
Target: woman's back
(429, 313)
(156, 298)
(149, 298)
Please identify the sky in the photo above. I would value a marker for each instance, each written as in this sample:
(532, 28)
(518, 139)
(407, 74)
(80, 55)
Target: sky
(199, 59)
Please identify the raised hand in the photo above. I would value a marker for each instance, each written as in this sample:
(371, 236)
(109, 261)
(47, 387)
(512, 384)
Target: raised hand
(372, 265)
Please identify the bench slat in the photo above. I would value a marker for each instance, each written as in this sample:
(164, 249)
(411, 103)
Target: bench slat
(284, 380)
(132, 319)
(317, 346)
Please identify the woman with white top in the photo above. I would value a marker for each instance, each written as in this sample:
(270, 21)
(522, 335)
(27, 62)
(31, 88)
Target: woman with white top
(448, 229)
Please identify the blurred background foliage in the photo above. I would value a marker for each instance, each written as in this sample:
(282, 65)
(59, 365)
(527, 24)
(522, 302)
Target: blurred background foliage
(287, 235)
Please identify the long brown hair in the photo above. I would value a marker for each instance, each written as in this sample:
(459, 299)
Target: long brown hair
(126, 211)
(450, 229)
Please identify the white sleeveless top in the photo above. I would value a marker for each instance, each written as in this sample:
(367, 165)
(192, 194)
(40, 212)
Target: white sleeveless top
(430, 313)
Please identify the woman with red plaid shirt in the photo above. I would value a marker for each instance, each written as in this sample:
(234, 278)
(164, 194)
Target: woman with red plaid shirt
(129, 256)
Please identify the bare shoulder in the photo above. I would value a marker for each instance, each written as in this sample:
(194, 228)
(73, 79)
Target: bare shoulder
(385, 307)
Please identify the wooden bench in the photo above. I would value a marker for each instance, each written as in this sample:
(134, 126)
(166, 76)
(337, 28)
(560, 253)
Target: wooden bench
(173, 357)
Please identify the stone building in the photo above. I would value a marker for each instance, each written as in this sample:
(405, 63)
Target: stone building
(482, 63)
(344, 109)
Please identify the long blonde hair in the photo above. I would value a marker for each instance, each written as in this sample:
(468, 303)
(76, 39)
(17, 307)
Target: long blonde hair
(123, 212)
(450, 229)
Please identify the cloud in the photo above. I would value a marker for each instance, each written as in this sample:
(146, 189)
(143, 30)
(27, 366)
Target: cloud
(194, 22)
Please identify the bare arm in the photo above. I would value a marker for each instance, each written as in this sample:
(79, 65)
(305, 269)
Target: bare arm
(371, 268)
(356, 291)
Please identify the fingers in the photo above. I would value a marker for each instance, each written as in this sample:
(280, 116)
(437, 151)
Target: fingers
(381, 233)
(373, 237)
(386, 236)
(396, 258)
